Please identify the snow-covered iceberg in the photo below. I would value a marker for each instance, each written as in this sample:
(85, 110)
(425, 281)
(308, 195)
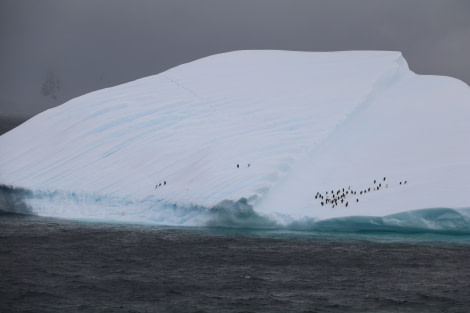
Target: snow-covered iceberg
(253, 139)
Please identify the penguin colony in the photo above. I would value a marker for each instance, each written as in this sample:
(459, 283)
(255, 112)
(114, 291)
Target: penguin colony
(343, 196)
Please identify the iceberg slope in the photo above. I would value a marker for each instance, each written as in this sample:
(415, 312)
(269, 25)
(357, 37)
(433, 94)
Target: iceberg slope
(298, 125)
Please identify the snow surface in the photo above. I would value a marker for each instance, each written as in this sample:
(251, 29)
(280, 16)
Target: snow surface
(306, 122)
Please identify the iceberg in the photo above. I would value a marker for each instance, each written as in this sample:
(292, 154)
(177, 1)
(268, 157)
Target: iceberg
(263, 139)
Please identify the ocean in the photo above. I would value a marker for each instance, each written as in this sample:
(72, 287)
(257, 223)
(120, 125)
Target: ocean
(57, 265)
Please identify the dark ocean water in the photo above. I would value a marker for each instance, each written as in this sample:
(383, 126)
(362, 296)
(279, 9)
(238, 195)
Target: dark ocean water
(53, 265)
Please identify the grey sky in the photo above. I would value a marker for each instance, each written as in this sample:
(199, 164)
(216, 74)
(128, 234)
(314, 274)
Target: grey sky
(52, 51)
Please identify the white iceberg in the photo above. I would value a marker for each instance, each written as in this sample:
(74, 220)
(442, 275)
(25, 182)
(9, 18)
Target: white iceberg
(252, 139)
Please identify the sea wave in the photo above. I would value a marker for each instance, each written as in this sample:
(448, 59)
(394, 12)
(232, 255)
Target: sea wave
(226, 214)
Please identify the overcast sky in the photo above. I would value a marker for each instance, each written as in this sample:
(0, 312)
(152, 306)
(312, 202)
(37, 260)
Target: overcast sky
(52, 51)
